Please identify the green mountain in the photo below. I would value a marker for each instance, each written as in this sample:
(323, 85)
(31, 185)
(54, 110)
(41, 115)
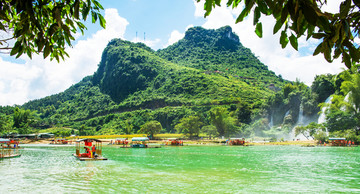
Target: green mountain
(219, 51)
(134, 84)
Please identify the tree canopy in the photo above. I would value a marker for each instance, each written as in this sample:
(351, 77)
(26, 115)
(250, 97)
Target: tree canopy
(189, 125)
(151, 128)
(336, 31)
(44, 26)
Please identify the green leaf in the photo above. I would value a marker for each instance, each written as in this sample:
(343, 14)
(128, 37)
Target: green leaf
(323, 24)
(263, 7)
(57, 14)
(94, 16)
(346, 60)
(242, 15)
(283, 39)
(67, 39)
(13, 51)
(336, 36)
(345, 8)
(228, 3)
(354, 53)
(294, 42)
(97, 4)
(318, 49)
(21, 51)
(16, 48)
(277, 10)
(277, 26)
(337, 53)
(52, 29)
(310, 31)
(217, 2)
(257, 15)
(310, 14)
(346, 27)
(258, 29)
(57, 58)
(208, 7)
(291, 8)
(318, 35)
(327, 52)
(85, 11)
(41, 45)
(102, 21)
(28, 52)
(46, 51)
(284, 14)
(76, 9)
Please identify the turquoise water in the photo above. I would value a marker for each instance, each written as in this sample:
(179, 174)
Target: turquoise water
(188, 169)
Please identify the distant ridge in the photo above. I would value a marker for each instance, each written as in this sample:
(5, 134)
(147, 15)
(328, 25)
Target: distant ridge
(206, 68)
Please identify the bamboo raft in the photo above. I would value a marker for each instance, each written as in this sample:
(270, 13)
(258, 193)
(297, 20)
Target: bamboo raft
(88, 155)
(9, 148)
(11, 156)
(89, 159)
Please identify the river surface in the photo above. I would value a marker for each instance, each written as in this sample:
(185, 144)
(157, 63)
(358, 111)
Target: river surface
(187, 169)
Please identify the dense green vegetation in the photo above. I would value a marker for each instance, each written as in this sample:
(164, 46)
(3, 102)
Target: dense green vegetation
(335, 29)
(220, 52)
(135, 85)
(343, 113)
(205, 84)
(46, 27)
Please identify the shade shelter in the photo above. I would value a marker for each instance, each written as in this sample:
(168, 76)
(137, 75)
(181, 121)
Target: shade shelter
(88, 147)
(59, 141)
(9, 148)
(337, 141)
(236, 141)
(174, 142)
(121, 141)
(4, 141)
(139, 142)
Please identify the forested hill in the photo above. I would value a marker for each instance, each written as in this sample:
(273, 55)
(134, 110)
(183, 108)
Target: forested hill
(219, 51)
(131, 76)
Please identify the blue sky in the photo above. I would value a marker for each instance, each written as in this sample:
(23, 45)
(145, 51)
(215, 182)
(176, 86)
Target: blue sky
(157, 19)
(164, 22)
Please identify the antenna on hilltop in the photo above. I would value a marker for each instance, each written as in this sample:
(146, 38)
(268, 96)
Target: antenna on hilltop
(144, 36)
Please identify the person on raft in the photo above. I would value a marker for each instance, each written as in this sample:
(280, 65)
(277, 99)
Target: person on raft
(93, 149)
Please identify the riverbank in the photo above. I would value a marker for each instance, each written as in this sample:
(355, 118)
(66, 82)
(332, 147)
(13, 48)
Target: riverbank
(189, 142)
(188, 169)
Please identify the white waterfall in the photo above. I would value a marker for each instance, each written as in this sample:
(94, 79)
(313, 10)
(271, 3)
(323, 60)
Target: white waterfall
(271, 123)
(302, 120)
(322, 116)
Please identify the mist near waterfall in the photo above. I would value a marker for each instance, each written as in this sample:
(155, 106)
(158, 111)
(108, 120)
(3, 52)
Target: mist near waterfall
(279, 130)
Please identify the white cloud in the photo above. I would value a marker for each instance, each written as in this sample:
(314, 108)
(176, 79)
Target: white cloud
(41, 77)
(199, 9)
(288, 62)
(149, 43)
(176, 36)
(331, 6)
